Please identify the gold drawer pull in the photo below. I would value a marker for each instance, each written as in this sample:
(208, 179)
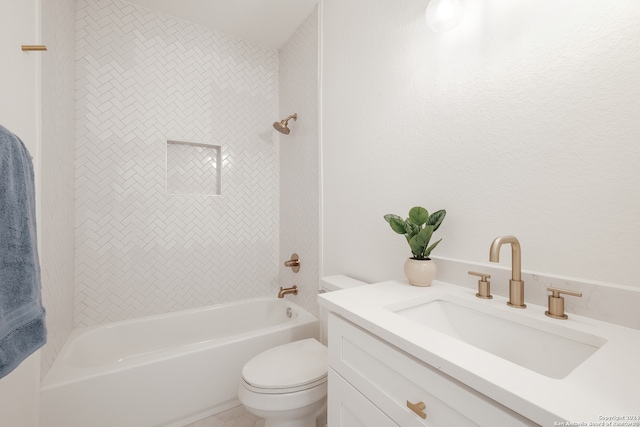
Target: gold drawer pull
(418, 408)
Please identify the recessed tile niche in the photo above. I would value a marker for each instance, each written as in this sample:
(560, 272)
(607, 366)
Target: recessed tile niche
(193, 168)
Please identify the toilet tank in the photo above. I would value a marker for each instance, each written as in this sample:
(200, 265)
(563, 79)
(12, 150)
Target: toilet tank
(329, 284)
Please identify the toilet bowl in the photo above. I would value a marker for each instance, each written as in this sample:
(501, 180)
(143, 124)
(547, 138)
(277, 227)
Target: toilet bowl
(287, 385)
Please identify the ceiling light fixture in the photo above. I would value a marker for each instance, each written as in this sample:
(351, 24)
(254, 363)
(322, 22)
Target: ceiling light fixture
(442, 15)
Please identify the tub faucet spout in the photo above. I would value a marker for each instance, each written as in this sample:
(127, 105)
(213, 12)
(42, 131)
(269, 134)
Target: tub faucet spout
(516, 285)
(285, 291)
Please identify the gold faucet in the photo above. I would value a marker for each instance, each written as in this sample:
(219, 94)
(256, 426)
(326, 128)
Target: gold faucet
(286, 291)
(516, 285)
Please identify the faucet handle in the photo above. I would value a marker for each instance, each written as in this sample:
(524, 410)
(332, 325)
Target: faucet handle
(293, 263)
(484, 286)
(556, 302)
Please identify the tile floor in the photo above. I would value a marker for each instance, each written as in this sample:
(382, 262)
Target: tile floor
(234, 417)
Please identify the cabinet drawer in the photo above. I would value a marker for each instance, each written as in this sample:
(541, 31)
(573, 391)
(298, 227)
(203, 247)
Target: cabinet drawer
(349, 408)
(390, 378)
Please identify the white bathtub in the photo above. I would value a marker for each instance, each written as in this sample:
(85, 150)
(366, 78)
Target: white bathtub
(167, 370)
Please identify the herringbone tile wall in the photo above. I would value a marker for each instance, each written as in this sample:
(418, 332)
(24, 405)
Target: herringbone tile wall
(57, 174)
(192, 169)
(144, 78)
(299, 163)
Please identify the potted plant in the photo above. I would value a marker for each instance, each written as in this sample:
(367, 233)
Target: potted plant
(418, 229)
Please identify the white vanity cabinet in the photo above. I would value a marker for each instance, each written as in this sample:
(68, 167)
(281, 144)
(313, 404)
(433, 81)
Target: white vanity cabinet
(372, 383)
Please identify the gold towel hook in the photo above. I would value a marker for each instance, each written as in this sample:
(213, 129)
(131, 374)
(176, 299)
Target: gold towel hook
(33, 47)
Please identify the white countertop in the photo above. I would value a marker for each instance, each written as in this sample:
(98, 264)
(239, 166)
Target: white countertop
(604, 388)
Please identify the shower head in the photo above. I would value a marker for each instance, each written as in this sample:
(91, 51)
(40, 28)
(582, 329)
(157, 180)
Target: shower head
(281, 126)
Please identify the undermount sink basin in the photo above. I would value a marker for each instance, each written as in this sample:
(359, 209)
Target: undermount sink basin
(552, 350)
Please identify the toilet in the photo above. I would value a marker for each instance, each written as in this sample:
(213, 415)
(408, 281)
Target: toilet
(287, 385)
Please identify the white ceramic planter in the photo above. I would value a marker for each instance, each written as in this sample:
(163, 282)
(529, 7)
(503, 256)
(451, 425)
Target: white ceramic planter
(420, 272)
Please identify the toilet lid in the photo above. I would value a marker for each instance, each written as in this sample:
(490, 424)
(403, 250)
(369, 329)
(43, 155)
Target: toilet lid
(289, 365)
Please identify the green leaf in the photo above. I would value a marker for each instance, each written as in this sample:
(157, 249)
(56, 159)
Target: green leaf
(424, 236)
(410, 228)
(419, 242)
(430, 248)
(389, 216)
(416, 249)
(396, 223)
(419, 215)
(436, 219)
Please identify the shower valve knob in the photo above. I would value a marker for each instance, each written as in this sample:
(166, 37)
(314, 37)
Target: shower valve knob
(294, 263)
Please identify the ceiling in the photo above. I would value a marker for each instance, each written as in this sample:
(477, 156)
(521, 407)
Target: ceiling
(266, 22)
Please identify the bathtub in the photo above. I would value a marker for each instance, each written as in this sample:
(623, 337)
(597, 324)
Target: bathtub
(167, 370)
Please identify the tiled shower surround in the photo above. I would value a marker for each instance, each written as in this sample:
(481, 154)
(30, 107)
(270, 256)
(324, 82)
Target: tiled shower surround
(144, 78)
(299, 165)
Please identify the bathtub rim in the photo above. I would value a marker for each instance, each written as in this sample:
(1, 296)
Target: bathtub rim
(62, 373)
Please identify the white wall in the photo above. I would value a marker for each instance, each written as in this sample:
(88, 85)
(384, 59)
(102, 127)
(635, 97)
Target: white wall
(142, 78)
(20, 113)
(299, 163)
(522, 120)
(58, 172)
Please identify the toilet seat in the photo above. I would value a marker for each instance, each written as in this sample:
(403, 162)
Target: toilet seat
(287, 368)
(304, 387)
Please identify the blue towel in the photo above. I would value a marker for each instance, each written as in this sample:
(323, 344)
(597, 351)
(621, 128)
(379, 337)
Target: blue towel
(22, 324)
